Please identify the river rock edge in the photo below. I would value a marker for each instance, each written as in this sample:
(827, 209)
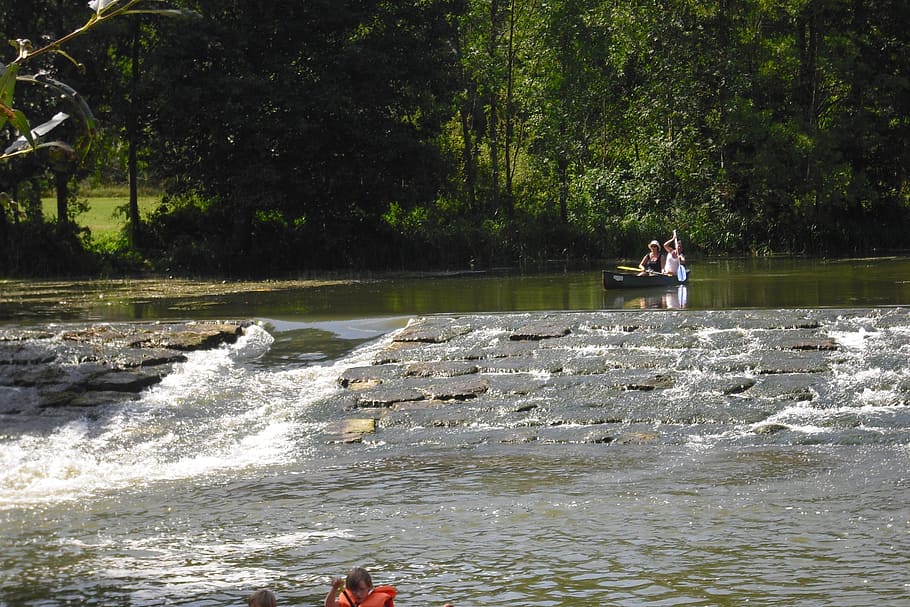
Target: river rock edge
(87, 365)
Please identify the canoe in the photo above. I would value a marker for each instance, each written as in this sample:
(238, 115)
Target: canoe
(626, 280)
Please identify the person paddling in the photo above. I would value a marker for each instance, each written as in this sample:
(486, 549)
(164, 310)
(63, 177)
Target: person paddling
(675, 256)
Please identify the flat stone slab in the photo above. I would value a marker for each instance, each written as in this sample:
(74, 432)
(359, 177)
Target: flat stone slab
(19, 353)
(428, 330)
(544, 329)
(369, 375)
(457, 388)
(519, 365)
(387, 396)
(774, 362)
(737, 385)
(182, 337)
(444, 368)
(350, 430)
(121, 381)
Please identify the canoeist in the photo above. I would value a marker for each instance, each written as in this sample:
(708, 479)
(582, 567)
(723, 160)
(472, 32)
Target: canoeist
(651, 263)
(675, 256)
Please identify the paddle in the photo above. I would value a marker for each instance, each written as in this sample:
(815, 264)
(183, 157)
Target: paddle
(681, 270)
(631, 269)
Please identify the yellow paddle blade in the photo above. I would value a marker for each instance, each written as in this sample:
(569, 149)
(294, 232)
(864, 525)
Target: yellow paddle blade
(630, 269)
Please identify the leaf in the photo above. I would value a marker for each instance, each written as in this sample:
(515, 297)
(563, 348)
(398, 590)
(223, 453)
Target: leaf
(100, 5)
(58, 145)
(20, 122)
(30, 137)
(46, 127)
(168, 12)
(7, 85)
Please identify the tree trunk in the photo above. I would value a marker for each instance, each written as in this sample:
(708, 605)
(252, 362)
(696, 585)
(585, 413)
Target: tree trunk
(494, 107)
(61, 181)
(807, 91)
(510, 111)
(468, 108)
(132, 135)
(470, 170)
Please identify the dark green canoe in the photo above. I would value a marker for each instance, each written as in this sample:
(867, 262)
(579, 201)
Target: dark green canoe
(628, 280)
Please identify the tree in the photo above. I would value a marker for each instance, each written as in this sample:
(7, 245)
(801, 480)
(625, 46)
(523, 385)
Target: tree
(328, 116)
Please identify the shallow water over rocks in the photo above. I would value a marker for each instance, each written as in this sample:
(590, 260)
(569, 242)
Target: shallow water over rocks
(585, 377)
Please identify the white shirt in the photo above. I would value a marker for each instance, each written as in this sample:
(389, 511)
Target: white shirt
(672, 263)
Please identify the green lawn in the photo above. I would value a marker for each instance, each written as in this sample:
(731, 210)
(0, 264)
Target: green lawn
(102, 218)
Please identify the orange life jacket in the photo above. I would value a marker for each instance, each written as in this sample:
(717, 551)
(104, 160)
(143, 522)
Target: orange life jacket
(380, 597)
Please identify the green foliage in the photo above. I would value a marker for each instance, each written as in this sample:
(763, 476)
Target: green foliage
(36, 248)
(368, 134)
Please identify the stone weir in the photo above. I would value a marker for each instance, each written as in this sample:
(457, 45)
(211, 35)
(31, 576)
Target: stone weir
(80, 366)
(600, 369)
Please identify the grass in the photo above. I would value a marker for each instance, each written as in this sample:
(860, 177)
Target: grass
(102, 217)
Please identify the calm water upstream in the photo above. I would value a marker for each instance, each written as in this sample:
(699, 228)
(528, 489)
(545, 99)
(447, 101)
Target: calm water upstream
(219, 481)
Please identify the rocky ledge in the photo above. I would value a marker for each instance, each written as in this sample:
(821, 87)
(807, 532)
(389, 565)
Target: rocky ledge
(96, 364)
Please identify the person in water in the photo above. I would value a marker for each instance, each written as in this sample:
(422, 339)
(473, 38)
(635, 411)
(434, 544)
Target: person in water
(675, 256)
(262, 598)
(652, 262)
(357, 591)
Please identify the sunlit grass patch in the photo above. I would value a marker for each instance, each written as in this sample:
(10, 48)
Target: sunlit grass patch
(103, 216)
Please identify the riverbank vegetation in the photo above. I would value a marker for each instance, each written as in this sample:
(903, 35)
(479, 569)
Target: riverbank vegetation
(459, 133)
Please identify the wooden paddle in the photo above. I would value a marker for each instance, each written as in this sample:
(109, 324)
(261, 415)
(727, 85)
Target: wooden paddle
(631, 269)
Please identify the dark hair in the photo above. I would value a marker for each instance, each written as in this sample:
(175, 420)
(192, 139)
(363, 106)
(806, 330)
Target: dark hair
(262, 598)
(357, 577)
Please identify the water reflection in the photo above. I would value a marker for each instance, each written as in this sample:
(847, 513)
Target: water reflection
(672, 298)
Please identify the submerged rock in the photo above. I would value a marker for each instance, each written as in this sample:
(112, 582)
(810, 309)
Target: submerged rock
(544, 329)
(431, 330)
(350, 430)
(769, 428)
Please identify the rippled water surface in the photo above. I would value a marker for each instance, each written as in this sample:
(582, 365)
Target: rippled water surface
(219, 480)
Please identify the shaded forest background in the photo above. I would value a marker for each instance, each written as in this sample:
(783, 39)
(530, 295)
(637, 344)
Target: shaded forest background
(425, 134)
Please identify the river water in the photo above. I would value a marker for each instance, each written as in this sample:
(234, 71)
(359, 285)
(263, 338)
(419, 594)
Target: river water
(219, 480)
